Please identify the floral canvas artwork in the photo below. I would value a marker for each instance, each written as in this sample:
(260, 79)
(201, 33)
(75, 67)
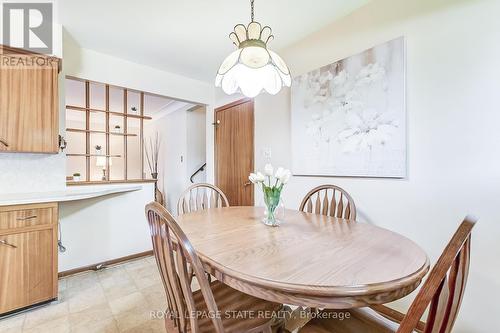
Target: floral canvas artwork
(349, 117)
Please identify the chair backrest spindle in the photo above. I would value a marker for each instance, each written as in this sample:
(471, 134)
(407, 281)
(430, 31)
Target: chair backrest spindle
(329, 200)
(201, 196)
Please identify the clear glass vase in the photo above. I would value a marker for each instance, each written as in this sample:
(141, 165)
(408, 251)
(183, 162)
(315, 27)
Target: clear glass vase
(272, 199)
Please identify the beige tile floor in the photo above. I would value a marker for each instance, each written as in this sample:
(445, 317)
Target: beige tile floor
(116, 299)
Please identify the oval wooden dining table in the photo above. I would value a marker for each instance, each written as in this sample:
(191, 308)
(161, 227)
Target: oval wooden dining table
(310, 260)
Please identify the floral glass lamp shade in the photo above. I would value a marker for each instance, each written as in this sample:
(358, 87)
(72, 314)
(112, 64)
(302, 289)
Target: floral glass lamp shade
(252, 67)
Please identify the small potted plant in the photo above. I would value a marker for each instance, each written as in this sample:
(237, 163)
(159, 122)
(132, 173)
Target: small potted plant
(272, 185)
(76, 177)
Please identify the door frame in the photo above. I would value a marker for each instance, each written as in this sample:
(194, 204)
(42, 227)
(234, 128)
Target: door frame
(222, 108)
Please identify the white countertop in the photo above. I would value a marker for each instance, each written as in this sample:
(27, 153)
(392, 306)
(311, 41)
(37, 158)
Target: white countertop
(70, 194)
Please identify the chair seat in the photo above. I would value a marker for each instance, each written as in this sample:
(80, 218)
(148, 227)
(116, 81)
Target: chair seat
(229, 301)
(363, 320)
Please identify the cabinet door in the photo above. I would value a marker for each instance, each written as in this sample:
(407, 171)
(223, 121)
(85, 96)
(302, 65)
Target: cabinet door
(29, 117)
(27, 269)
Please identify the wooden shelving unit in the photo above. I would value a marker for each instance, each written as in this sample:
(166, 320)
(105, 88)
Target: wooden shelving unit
(78, 108)
(106, 130)
(95, 131)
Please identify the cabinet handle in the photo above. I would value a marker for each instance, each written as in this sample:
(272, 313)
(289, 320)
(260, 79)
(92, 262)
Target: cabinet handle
(4, 143)
(4, 242)
(26, 218)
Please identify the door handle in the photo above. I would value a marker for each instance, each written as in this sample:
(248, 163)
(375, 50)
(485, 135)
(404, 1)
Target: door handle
(26, 218)
(247, 183)
(4, 242)
(4, 143)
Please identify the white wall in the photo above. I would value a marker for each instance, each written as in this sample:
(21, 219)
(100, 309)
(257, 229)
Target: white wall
(453, 82)
(104, 228)
(172, 172)
(183, 143)
(196, 143)
(100, 67)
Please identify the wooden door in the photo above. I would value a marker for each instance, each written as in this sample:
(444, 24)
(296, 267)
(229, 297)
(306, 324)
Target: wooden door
(29, 116)
(234, 151)
(26, 268)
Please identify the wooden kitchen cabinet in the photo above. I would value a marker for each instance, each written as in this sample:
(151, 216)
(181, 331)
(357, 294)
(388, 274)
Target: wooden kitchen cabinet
(28, 255)
(29, 105)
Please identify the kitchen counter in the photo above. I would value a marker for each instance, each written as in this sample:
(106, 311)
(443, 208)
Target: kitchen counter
(70, 194)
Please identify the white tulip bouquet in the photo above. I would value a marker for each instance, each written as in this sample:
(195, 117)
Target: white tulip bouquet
(272, 183)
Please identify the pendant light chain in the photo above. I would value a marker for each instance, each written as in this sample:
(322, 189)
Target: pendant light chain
(251, 6)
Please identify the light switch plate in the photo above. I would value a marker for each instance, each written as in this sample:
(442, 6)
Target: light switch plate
(267, 154)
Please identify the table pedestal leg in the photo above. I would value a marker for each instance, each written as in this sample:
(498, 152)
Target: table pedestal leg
(298, 319)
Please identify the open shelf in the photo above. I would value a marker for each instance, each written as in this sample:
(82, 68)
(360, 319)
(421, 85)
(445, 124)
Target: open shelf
(99, 182)
(129, 115)
(95, 131)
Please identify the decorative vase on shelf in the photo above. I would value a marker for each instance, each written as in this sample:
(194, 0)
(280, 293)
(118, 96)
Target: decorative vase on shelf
(272, 185)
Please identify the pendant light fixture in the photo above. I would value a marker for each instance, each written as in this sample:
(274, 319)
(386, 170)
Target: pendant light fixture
(252, 67)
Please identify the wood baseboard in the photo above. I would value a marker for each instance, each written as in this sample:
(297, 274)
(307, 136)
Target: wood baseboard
(95, 267)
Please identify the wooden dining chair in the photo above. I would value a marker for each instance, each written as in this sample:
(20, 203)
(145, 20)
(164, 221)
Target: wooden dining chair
(201, 196)
(330, 200)
(212, 308)
(441, 293)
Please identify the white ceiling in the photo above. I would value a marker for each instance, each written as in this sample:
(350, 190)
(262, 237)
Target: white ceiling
(189, 37)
